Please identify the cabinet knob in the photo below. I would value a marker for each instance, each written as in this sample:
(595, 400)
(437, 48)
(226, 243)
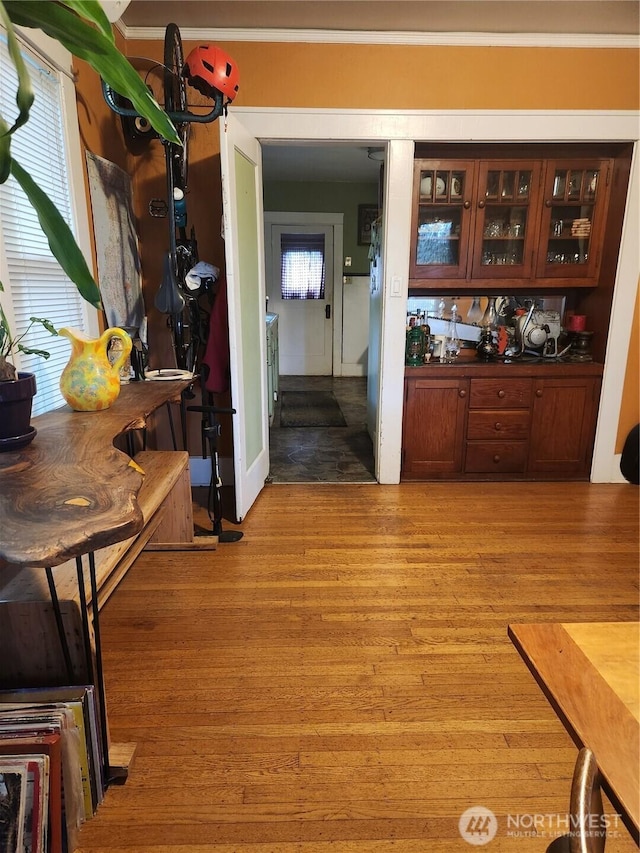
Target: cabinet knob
(467, 205)
(539, 392)
(501, 394)
(496, 458)
(462, 393)
(482, 204)
(498, 426)
(547, 202)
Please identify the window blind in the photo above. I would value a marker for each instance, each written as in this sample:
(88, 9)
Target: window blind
(37, 285)
(302, 266)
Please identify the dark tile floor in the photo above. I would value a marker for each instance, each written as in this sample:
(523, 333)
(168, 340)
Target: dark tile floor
(324, 454)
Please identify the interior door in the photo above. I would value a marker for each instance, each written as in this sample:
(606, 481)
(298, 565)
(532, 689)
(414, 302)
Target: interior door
(305, 325)
(241, 167)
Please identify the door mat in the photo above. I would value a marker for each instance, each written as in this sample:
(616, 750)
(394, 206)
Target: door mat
(310, 409)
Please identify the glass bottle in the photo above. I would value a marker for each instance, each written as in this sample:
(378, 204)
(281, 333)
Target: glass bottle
(490, 317)
(452, 342)
(474, 314)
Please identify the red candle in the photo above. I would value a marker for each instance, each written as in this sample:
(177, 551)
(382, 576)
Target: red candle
(576, 323)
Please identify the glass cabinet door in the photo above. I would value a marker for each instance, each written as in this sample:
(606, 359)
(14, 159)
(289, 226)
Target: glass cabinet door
(505, 221)
(573, 219)
(442, 219)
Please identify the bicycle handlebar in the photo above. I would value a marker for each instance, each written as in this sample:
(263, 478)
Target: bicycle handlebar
(177, 118)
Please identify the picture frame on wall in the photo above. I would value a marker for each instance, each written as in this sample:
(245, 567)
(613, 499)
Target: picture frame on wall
(367, 215)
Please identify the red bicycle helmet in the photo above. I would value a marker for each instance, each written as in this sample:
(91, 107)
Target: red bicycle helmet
(209, 70)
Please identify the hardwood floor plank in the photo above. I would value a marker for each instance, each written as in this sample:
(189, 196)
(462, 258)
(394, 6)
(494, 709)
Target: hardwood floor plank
(341, 679)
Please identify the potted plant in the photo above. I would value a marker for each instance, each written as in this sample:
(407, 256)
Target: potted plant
(17, 389)
(82, 27)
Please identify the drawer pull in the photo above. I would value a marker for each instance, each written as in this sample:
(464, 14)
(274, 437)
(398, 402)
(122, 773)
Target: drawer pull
(539, 392)
(462, 393)
(501, 394)
(498, 426)
(496, 458)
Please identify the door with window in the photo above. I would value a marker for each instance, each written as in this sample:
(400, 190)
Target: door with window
(300, 290)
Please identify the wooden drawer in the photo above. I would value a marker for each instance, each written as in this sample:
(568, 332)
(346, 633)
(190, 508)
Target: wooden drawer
(498, 423)
(496, 457)
(500, 393)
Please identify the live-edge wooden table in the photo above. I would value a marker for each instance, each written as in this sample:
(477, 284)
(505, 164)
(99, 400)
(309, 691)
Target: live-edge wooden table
(590, 672)
(71, 492)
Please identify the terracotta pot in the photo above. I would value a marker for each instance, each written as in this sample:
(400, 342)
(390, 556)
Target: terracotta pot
(16, 397)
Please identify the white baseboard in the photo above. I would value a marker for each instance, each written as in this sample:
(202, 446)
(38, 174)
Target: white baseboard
(616, 475)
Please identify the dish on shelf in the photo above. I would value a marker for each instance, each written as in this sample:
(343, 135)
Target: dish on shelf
(167, 374)
(426, 185)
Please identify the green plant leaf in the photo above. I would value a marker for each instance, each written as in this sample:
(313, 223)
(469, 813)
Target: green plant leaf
(5, 151)
(91, 10)
(30, 351)
(88, 43)
(24, 95)
(61, 240)
(48, 325)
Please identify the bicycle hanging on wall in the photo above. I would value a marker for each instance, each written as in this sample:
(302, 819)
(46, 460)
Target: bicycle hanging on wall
(180, 297)
(213, 74)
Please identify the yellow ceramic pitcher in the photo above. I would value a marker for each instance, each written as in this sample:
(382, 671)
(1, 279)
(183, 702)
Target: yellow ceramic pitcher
(90, 382)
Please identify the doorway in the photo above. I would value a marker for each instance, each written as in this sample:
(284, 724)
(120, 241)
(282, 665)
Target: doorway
(326, 454)
(320, 351)
(302, 270)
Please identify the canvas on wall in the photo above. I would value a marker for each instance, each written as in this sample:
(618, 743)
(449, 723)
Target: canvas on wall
(119, 270)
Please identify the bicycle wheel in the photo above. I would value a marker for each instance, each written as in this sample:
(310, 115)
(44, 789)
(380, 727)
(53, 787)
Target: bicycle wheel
(175, 101)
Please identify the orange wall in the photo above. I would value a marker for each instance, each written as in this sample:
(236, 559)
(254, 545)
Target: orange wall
(630, 408)
(405, 77)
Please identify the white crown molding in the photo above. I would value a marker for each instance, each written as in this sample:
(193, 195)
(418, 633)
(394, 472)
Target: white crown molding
(562, 40)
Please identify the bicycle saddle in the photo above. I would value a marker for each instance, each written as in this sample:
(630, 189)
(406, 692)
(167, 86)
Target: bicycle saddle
(168, 299)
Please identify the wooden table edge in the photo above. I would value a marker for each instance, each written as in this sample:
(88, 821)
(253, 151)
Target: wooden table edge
(627, 805)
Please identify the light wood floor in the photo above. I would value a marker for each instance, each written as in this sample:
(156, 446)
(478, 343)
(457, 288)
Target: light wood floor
(341, 679)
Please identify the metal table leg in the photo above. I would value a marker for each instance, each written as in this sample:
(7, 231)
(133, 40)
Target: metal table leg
(95, 668)
(62, 634)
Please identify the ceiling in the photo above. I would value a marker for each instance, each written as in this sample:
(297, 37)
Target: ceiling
(336, 163)
(499, 16)
(351, 163)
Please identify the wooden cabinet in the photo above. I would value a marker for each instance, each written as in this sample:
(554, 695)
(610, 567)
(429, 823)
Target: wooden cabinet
(498, 426)
(516, 222)
(563, 425)
(576, 197)
(443, 192)
(506, 219)
(433, 427)
(490, 422)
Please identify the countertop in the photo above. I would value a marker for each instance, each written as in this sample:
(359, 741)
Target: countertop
(481, 369)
